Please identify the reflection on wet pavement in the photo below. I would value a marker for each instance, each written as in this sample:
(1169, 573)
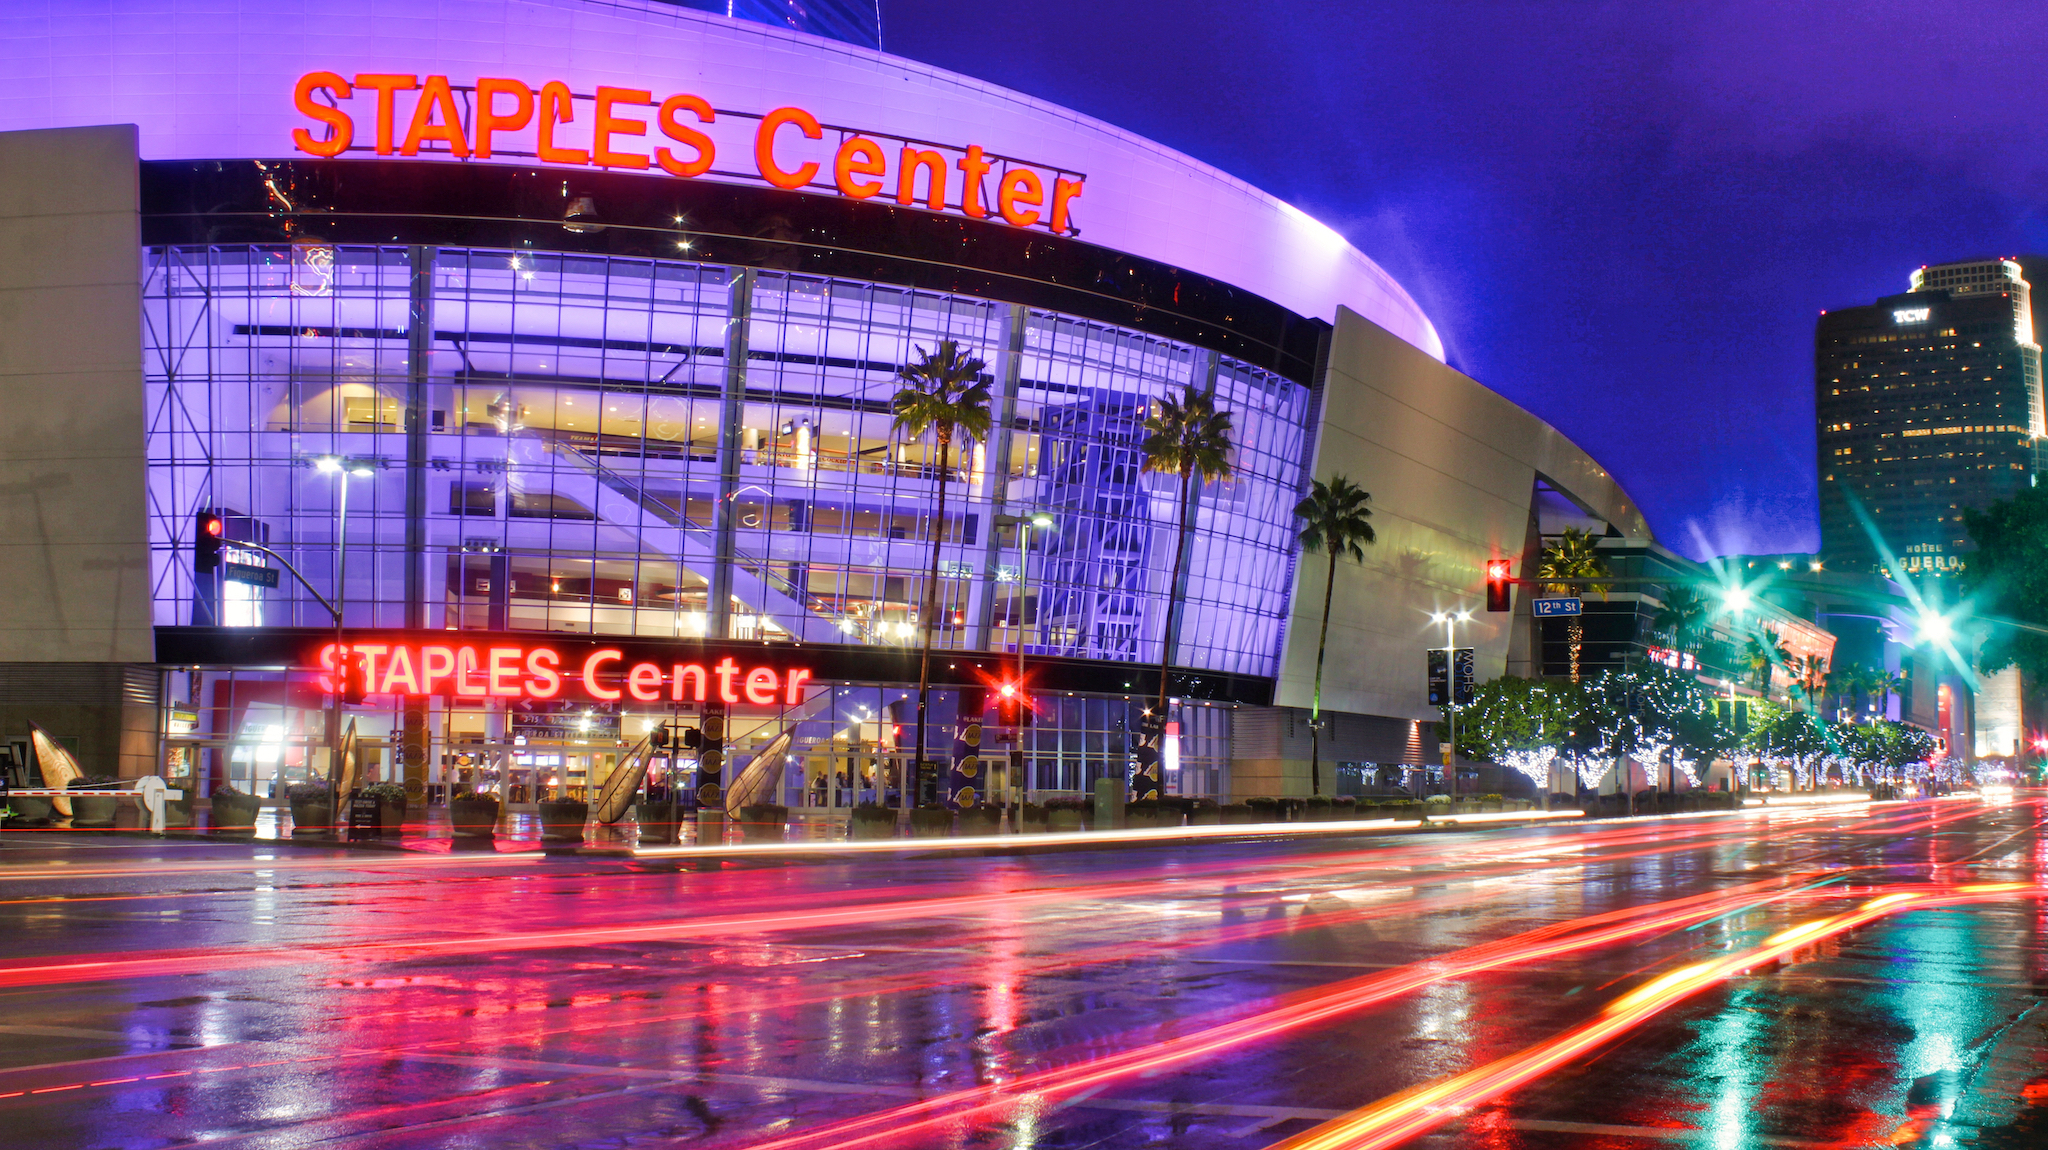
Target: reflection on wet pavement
(1805, 978)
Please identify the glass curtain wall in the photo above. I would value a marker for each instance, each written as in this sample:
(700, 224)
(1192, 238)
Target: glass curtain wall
(616, 446)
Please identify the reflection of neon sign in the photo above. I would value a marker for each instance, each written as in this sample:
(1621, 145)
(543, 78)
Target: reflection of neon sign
(469, 671)
(623, 117)
(1676, 660)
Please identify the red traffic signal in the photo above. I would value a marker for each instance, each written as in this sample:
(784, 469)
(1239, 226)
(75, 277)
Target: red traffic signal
(1009, 704)
(1499, 575)
(355, 682)
(208, 531)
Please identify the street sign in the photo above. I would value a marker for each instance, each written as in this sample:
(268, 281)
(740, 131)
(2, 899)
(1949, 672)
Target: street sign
(1464, 668)
(1546, 608)
(251, 574)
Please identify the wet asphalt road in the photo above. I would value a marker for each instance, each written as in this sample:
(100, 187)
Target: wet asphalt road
(1242, 996)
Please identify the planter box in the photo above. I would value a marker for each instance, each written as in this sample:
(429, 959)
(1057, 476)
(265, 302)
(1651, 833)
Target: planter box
(29, 810)
(659, 822)
(764, 823)
(178, 812)
(1033, 823)
(473, 818)
(235, 812)
(1139, 819)
(311, 817)
(931, 824)
(1210, 818)
(981, 821)
(865, 829)
(90, 810)
(1067, 822)
(561, 821)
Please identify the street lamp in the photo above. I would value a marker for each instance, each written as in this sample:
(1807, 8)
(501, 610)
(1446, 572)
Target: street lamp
(1450, 620)
(1023, 523)
(343, 468)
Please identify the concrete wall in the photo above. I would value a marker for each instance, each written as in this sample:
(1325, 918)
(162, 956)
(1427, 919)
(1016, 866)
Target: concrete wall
(74, 543)
(74, 549)
(1452, 468)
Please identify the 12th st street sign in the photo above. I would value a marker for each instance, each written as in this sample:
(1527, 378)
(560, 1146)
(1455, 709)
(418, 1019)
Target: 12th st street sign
(1545, 608)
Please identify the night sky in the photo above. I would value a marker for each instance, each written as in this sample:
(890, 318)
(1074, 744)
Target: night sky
(1623, 216)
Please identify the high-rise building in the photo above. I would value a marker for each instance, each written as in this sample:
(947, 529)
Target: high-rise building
(1927, 404)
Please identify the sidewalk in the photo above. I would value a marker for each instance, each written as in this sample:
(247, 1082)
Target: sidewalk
(805, 835)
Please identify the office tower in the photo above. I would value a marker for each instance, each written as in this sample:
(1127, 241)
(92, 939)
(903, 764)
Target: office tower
(1927, 403)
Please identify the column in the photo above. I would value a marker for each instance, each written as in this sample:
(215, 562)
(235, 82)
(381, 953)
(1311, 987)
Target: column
(732, 409)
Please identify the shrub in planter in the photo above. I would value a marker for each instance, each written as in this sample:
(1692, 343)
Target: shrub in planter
(93, 810)
(390, 805)
(562, 820)
(1033, 819)
(764, 823)
(1317, 808)
(1150, 814)
(872, 821)
(473, 815)
(1238, 814)
(981, 820)
(25, 810)
(234, 810)
(1377, 810)
(1563, 802)
(1067, 814)
(931, 821)
(1292, 810)
(1264, 810)
(1344, 808)
(660, 822)
(1491, 802)
(311, 813)
(1204, 811)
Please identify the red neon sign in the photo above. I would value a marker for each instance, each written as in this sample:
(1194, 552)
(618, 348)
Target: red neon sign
(634, 129)
(473, 671)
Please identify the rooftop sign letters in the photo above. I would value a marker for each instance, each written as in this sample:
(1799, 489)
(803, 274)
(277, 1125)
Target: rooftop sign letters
(476, 671)
(392, 113)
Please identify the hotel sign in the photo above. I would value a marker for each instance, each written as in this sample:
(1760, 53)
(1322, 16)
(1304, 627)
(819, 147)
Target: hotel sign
(633, 129)
(522, 671)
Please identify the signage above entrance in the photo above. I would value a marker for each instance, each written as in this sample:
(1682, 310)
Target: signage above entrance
(480, 671)
(405, 114)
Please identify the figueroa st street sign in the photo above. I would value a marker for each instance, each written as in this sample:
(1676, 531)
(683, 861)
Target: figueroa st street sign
(478, 671)
(395, 113)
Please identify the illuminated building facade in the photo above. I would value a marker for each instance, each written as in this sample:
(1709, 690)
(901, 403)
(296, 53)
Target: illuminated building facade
(1928, 403)
(570, 385)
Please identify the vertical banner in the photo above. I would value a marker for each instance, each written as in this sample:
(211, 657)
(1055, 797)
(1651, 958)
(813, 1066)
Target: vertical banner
(1145, 755)
(711, 757)
(967, 781)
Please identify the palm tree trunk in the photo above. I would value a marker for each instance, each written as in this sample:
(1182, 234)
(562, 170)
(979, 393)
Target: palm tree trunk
(1168, 630)
(1575, 636)
(931, 610)
(1315, 706)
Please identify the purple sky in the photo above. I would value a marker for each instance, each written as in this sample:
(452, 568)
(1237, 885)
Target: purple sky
(1623, 216)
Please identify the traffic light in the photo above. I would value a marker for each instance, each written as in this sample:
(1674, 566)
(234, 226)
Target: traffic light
(1009, 705)
(209, 532)
(355, 676)
(1499, 573)
(659, 737)
(691, 739)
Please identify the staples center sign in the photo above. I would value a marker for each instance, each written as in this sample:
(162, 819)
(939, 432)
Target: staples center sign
(472, 671)
(392, 113)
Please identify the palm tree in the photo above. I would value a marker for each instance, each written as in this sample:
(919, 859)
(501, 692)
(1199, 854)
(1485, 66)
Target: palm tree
(1334, 517)
(1812, 673)
(1188, 438)
(1572, 566)
(1763, 651)
(1682, 618)
(945, 395)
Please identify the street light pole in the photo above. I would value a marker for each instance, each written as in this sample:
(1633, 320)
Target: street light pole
(1450, 620)
(342, 469)
(1023, 524)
